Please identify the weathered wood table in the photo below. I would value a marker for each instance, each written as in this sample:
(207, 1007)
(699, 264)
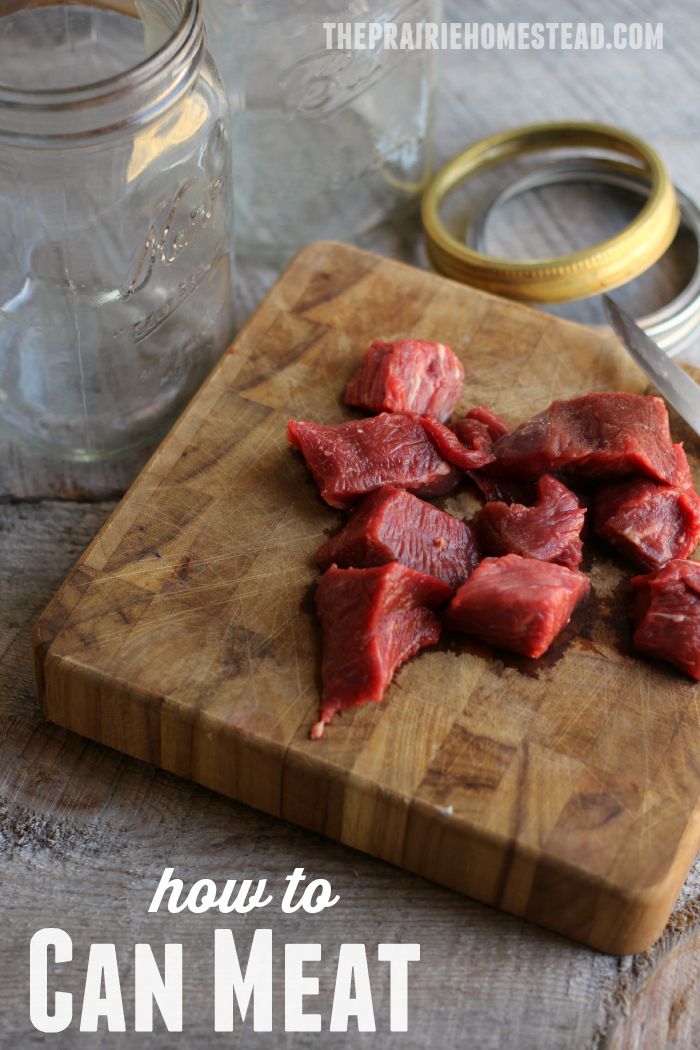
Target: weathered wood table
(85, 832)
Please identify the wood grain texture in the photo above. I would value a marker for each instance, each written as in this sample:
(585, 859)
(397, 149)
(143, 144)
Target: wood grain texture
(564, 791)
(662, 1007)
(84, 829)
(85, 832)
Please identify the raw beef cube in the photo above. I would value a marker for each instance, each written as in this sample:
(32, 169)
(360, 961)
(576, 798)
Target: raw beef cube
(666, 611)
(411, 375)
(392, 525)
(479, 429)
(477, 422)
(472, 433)
(517, 603)
(373, 620)
(348, 460)
(651, 524)
(684, 478)
(496, 426)
(466, 457)
(550, 531)
(604, 435)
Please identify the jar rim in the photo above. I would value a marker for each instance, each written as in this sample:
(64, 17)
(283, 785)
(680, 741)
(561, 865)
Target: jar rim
(130, 99)
(190, 26)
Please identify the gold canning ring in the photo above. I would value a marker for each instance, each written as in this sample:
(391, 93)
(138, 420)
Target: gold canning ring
(565, 277)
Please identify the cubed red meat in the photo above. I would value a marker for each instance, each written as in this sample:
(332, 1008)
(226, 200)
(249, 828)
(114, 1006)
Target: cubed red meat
(603, 435)
(392, 525)
(517, 603)
(479, 421)
(666, 611)
(650, 524)
(480, 429)
(472, 433)
(454, 450)
(411, 375)
(550, 530)
(348, 460)
(372, 620)
(684, 478)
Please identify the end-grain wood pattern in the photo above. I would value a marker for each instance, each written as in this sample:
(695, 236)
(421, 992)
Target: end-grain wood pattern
(564, 791)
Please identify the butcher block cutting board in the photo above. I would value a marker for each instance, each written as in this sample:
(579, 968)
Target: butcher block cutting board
(563, 790)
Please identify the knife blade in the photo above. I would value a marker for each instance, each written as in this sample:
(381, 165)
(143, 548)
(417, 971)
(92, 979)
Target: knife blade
(676, 385)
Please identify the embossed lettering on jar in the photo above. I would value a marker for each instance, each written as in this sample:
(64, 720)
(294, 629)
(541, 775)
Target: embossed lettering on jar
(329, 141)
(115, 288)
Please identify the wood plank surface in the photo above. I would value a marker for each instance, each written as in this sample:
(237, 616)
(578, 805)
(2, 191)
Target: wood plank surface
(564, 790)
(84, 829)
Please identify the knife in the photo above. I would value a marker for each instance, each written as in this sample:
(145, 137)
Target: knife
(675, 384)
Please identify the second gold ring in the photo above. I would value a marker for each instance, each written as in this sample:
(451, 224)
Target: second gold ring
(562, 278)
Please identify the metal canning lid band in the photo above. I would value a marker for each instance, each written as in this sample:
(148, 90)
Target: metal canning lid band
(562, 278)
(674, 326)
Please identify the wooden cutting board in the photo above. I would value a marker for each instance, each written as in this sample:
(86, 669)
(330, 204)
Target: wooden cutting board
(563, 790)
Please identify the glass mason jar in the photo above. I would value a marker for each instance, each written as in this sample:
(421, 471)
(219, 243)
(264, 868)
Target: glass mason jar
(329, 141)
(115, 291)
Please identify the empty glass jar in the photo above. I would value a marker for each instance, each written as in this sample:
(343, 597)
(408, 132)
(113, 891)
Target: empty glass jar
(329, 140)
(115, 293)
